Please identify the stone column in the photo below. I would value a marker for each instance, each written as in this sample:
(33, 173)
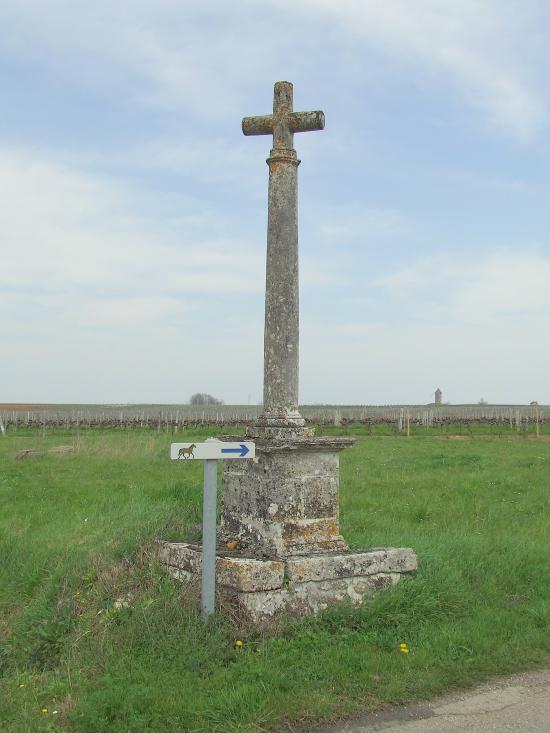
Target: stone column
(281, 334)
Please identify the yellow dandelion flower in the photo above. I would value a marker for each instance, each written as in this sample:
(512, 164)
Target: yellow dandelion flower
(21, 684)
(238, 644)
(404, 649)
(44, 710)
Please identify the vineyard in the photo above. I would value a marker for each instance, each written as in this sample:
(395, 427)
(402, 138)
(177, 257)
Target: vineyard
(174, 417)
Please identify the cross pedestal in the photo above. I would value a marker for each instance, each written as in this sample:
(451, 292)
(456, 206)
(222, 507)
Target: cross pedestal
(286, 501)
(280, 546)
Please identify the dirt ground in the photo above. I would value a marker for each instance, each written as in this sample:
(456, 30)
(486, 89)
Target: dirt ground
(518, 703)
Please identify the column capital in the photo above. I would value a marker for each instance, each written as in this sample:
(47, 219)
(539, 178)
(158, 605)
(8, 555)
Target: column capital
(283, 155)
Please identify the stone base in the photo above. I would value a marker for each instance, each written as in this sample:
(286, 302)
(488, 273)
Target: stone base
(302, 584)
(285, 501)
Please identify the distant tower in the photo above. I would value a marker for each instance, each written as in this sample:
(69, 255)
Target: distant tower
(438, 396)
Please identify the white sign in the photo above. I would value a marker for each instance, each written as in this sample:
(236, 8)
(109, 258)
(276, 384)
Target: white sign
(211, 449)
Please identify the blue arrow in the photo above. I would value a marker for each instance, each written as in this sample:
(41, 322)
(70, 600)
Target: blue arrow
(242, 451)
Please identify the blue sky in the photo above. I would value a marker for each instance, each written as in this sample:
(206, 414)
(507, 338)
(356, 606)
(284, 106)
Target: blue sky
(133, 210)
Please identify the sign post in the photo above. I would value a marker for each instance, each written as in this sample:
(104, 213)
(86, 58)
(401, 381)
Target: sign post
(208, 580)
(210, 452)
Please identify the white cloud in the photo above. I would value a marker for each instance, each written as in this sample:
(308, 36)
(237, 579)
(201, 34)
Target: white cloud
(475, 327)
(63, 229)
(138, 313)
(355, 222)
(506, 285)
(498, 285)
(92, 272)
(166, 54)
(403, 362)
(474, 46)
(202, 59)
(136, 256)
(104, 300)
(206, 159)
(89, 272)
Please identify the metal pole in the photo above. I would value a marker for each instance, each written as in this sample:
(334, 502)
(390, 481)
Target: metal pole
(208, 587)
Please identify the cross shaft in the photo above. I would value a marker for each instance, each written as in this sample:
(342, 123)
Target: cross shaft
(281, 335)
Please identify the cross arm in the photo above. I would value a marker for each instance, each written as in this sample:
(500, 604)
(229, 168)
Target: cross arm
(260, 125)
(306, 121)
(297, 122)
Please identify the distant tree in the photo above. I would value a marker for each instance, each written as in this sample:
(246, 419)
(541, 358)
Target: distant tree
(482, 401)
(202, 398)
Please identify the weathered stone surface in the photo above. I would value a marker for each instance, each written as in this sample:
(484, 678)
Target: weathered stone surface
(301, 535)
(332, 566)
(319, 594)
(262, 606)
(181, 555)
(243, 574)
(278, 433)
(270, 442)
(281, 297)
(183, 575)
(250, 575)
(286, 501)
(312, 597)
(300, 585)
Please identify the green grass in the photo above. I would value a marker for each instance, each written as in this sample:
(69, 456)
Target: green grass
(462, 430)
(77, 533)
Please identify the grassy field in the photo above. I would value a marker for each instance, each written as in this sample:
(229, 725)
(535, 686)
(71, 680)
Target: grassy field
(94, 637)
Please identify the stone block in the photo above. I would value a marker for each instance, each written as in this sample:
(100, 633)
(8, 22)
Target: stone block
(262, 606)
(241, 573)
(301, 599)
(318, 595)
(301, 535)
(299, 585)
(249, 575)
(257, 536)
(183, 575)
(180, 555)
(286, 501)
(345, 565)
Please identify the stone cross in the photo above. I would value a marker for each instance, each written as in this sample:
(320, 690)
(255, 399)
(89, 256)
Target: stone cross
(281, 332)
(280, 547)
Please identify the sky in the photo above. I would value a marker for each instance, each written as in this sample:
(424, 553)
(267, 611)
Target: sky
(133, 211)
